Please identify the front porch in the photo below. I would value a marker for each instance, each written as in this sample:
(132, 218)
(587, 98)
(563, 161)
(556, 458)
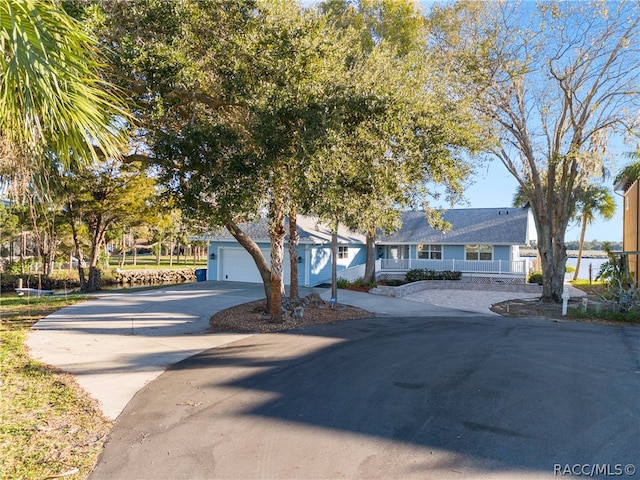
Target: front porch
(473, 271)
(477, 271)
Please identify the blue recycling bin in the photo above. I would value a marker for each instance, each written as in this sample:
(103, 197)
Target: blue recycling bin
(201, 274)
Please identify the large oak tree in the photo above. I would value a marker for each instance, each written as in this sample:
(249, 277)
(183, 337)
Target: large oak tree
(248, 107)
(556, 81)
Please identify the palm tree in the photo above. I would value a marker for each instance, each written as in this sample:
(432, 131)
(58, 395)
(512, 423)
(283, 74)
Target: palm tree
(631, 172)
(52, 98)
(591, 201)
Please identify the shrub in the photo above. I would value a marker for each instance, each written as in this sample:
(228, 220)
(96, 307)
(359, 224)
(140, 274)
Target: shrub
(536, 277)
(418, 274)
(620, 284)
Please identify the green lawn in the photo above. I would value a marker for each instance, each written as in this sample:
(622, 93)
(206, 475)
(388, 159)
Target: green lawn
(49, 427)
(149, 262)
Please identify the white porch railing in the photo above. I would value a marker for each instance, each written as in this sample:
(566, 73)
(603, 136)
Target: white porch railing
(519, 268)
(499, 267)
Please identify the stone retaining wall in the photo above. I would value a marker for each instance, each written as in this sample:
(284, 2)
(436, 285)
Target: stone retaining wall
(403, 290)
(152, 277)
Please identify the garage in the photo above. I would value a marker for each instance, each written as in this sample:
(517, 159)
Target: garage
(236, 265)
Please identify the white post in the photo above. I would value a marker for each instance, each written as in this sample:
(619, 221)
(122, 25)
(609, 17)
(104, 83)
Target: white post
(565, 299)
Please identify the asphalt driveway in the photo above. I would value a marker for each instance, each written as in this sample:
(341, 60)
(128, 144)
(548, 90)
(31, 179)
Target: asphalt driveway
(440, 396)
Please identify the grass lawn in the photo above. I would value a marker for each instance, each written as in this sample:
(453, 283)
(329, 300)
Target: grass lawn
(49, 427)
(594, 288)
(148, 261)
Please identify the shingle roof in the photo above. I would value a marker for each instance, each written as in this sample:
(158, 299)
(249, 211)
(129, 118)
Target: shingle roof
(506, 226)
(310, 230)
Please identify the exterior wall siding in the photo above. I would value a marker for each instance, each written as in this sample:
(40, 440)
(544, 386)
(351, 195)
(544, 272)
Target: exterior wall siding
(502, 252)
(314, 268)
(631, 215)
(318, 266)
(453, 252)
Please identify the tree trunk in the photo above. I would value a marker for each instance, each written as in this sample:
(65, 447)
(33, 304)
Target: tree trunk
(334, 264)
(254, 250)
(76, 243)
(293, 254)
(23, 249)
(276, 235)
(553, 257)
(107, 255)
(135, 252)
(93, 283)
(97, 241)
(123, 251)
(49, 250)
(370, 265)
(583, 231)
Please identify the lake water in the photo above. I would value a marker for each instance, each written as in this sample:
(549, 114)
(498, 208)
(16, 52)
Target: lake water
(585, 263)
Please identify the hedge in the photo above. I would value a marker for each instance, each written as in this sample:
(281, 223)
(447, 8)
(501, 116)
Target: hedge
(418, 274)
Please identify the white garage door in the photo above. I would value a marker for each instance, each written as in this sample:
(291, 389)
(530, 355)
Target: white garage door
(236, 265)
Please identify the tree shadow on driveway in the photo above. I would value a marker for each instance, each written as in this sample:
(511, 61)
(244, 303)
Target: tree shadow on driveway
(439, 397)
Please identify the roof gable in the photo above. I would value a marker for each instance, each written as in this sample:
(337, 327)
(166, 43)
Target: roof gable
(496, 226)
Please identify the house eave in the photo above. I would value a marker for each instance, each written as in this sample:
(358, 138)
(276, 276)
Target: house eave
(435, 242)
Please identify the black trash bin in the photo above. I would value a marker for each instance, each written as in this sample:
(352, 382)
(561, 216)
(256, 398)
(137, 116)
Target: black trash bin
(201, 274)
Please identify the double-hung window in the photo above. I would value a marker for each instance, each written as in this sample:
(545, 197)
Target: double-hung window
(430, 252)
(478, 252)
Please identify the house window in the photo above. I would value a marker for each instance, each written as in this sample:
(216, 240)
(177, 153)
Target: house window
(478, 252)
(431, 252)
(343, 252)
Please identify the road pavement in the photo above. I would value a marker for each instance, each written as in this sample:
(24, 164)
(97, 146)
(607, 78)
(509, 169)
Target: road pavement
(117, 343)
(419, 391)
(444, 397)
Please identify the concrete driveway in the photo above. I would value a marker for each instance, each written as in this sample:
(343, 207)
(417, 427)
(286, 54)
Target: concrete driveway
(117, 343)
(446, 395)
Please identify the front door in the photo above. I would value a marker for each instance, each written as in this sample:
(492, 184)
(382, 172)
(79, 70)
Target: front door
(397, 256)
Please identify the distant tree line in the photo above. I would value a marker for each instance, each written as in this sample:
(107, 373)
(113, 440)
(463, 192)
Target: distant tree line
(594, 245)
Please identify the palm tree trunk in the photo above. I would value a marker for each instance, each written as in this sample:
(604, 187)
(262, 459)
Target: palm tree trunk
(583, 231)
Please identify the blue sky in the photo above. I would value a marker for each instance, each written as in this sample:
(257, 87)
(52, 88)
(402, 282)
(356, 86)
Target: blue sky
(495, 187)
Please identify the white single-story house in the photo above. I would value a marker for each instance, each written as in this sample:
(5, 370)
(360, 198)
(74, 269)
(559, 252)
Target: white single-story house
(229, 261)
(482, 243)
